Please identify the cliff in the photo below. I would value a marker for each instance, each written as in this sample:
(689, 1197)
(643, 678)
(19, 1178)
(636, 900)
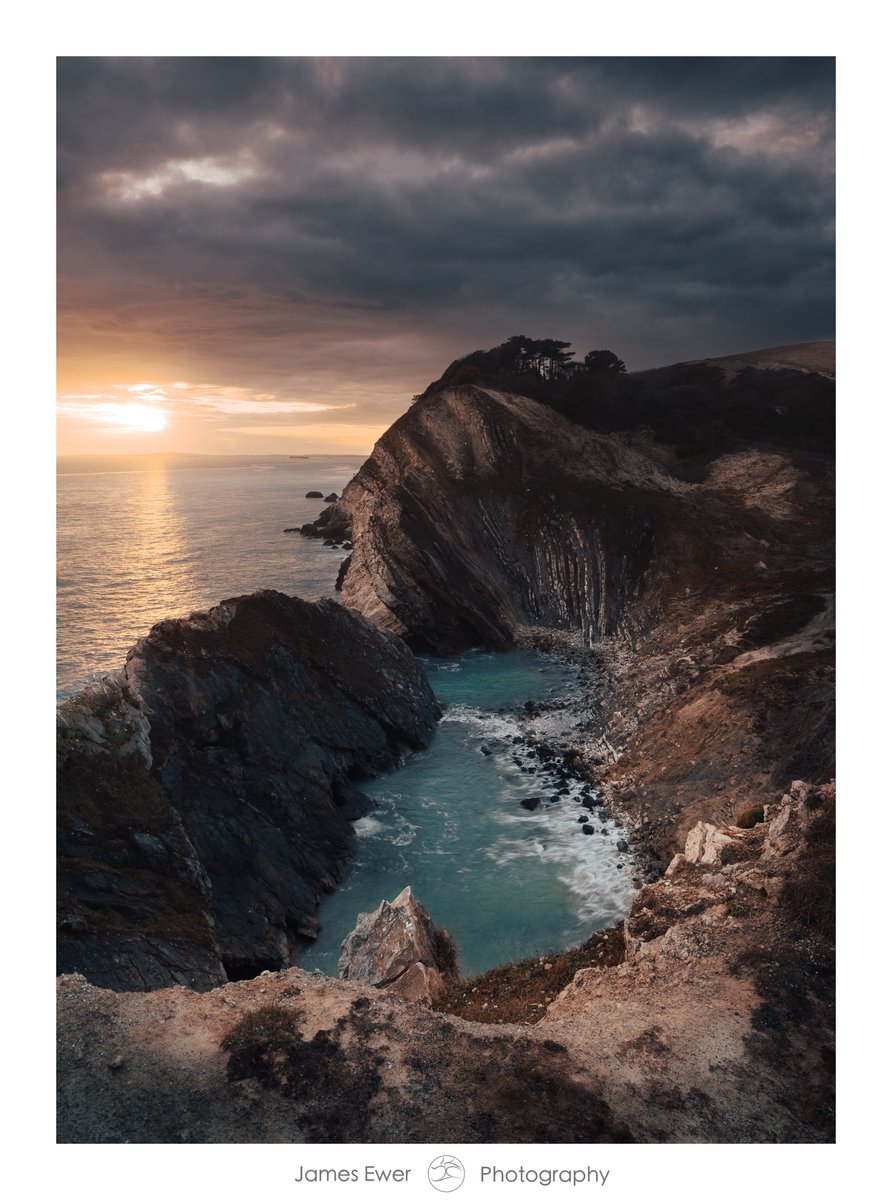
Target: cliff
(714, 1026)
(479, 513)
(206, 792)
(697, 593)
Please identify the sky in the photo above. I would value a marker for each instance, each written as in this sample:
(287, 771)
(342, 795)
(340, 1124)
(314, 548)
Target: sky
(261, 255)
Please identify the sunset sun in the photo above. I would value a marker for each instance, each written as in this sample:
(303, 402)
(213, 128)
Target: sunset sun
(135, 418)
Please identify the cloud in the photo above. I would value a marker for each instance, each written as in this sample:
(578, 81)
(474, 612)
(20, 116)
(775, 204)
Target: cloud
(305, 227)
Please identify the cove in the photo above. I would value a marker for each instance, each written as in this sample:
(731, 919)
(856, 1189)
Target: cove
(506, 882)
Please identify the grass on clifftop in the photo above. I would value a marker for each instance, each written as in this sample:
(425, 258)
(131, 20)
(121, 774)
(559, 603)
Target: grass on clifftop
(518, 992)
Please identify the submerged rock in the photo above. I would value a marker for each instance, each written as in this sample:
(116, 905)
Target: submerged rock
(206, 790)
(397, 948)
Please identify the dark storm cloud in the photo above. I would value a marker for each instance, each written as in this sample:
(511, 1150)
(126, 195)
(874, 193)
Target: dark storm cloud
(669, 207)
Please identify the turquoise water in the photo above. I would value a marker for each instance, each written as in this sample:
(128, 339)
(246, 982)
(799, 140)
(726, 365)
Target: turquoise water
(505, 882)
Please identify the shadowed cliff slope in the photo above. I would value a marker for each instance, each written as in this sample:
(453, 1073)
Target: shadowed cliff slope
(206, 791)
(480, 512)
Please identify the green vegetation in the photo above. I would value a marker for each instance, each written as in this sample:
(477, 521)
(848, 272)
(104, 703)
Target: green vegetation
(518, 992)
(690, 406)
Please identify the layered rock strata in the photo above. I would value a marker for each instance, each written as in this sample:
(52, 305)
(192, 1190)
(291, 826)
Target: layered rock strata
(699, 601)
(206, 791)
(479, 513)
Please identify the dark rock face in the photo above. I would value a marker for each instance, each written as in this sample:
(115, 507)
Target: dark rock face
(479, 513)
(206, 792)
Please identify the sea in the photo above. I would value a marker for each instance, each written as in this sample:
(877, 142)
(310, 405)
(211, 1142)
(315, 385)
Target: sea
(152, 536)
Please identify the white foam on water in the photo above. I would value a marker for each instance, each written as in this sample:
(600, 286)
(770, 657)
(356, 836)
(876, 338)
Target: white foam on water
(367, 827)
(481, 723)
(451, 823)
(594, 871)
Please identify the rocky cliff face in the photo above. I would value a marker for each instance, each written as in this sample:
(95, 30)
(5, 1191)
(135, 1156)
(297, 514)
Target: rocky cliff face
(701, 596)
(206, 792)
(697, 601)
(479, 513)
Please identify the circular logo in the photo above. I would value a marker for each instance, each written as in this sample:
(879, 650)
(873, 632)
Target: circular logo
(446, 1173)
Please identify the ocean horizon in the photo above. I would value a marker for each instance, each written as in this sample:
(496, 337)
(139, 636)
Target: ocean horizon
(144, 537)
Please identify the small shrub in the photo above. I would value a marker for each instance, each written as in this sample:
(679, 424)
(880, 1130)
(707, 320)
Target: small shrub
(446, 953)
(518, 992)
(728, 855)
(736, 909)
(265, 1030)
(751, 817)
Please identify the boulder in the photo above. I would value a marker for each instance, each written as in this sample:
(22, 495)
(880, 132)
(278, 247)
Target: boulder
(314, 496)
(397, 948)
(704, 844)
(793, 814)
(331, 497)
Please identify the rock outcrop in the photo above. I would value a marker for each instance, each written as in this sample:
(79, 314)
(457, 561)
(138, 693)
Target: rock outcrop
(397, 948)
(206, 791)
(479, 513)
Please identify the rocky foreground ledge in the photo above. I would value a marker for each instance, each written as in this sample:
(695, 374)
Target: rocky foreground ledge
(205, 792)
(716, 1027)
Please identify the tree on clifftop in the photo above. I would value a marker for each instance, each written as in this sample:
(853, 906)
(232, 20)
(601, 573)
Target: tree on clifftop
(598, 361)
